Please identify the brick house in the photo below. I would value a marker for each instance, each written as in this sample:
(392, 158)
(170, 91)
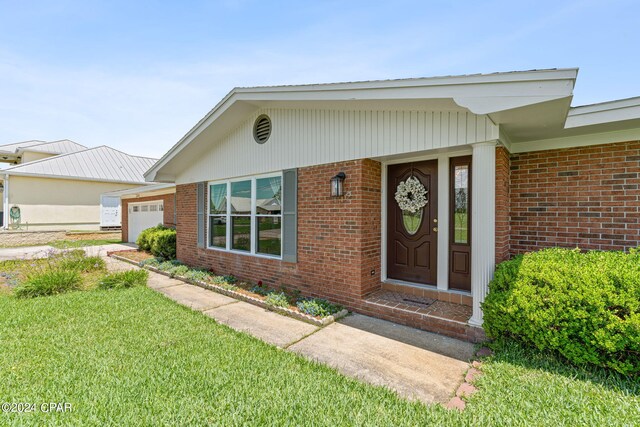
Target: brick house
(301, 186)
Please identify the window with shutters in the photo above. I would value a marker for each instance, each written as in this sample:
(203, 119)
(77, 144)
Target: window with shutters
(245, 215)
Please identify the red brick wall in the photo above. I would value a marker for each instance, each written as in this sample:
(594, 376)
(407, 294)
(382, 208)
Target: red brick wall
(586, 197)
(338, 239)
(502, 204)
(168, 217)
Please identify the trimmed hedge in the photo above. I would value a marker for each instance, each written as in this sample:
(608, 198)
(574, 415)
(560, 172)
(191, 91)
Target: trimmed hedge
(144, 239)
(159, 240)
(163, 244)
(585, 306)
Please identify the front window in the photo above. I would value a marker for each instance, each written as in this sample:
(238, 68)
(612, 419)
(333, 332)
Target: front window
(246, 215)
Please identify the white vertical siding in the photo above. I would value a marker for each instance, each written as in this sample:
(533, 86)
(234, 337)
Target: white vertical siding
(304, 137)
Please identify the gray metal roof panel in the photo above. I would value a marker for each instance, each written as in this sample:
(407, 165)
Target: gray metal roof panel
(99, 164)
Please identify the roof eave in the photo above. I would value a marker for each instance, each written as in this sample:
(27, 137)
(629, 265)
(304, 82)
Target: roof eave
(535, 87)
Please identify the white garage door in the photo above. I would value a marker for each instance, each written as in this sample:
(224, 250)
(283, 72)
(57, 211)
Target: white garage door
(144, 215)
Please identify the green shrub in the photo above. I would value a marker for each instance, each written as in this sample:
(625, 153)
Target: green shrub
(49, 282)
(585, 306)
(278, 299)
(144, 238)
(317, 307)
(82, 263)
(163, 244)
(124, 279)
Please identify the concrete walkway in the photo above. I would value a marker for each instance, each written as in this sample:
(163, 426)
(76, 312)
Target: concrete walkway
(417, 364)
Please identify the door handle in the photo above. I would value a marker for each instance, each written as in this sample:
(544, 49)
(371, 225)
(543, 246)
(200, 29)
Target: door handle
(435, 229)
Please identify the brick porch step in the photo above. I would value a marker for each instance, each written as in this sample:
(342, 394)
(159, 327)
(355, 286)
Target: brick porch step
(423, 313)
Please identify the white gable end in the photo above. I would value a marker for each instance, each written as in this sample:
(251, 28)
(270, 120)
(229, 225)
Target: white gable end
(305, 137)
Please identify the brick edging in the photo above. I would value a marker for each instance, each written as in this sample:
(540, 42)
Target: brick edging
(247, 298)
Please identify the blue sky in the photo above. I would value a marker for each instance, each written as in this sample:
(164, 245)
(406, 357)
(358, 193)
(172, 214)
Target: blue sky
(138, 75)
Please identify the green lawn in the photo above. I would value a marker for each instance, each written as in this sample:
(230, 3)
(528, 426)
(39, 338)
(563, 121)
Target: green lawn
(65, 244)
(133, 357)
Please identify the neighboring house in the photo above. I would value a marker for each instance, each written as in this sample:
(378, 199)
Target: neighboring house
(507, 164)
(58, 185)
(145, 207)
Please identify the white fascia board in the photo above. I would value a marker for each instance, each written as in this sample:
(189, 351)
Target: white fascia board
(576, 141)
(143, 190)
(606, 112)
(479, 93)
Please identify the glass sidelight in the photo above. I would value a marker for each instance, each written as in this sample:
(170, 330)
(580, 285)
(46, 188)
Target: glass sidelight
(460, 224)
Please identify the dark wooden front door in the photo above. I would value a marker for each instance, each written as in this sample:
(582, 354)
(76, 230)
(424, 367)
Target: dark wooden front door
(412, 239)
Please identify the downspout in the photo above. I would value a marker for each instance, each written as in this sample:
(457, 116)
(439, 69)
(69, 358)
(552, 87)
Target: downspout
(5, 206)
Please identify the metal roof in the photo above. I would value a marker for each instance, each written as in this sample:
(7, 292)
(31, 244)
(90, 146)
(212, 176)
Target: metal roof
(12, 148)
(63, 146)
(95, 164)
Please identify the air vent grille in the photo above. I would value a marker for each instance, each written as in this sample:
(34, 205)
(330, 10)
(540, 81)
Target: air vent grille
(262, 129)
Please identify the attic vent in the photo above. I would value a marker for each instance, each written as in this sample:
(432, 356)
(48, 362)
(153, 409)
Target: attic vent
(262, 129)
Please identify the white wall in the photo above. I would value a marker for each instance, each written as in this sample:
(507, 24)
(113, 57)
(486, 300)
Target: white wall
(302, 137)
(30, 156)
(59, 203)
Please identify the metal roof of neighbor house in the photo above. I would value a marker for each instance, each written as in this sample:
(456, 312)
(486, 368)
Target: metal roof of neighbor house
(12, 148)
(63, 146)
(94, 164)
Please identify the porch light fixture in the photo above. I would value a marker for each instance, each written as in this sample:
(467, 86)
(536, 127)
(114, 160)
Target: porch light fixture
(337, 188)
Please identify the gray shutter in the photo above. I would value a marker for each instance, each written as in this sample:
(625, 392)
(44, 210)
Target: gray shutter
(200, 203)
(290, 215)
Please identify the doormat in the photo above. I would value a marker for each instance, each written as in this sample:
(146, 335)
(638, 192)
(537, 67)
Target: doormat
(423, 303)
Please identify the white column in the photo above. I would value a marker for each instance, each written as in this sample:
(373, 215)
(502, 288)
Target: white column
(443, 223)
(483, 224)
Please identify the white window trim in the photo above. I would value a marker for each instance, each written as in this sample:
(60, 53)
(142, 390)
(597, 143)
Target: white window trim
(158, 202)
(253, 215)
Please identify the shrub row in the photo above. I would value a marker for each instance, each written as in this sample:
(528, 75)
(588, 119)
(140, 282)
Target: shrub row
(585, 306)
(159, 240)
(313, 306)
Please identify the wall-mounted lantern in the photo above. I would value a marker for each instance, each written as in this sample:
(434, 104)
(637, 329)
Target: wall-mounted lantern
(337, 187)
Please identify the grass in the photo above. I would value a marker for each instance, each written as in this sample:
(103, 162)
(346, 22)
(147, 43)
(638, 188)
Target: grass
(66, 244)
(133, 357)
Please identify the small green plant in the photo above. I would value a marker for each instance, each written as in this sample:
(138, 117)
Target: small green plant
(230, 279)
(260, 290)
(178, 270)
(49, 282)
(277, 299)
(82, 263)
(124, 279)
(166, 266)
(317, 307)
(151, 262)
(198, 275)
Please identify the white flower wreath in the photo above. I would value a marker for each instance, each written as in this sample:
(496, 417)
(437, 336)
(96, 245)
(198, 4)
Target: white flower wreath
(411, 195)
